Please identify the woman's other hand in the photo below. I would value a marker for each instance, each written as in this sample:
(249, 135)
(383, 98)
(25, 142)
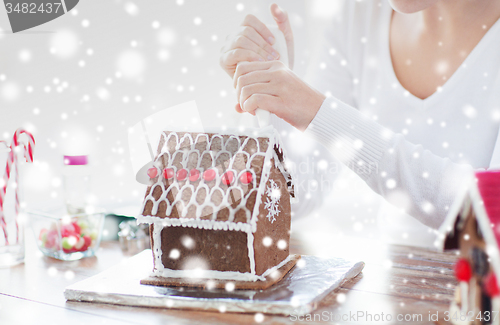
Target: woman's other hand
(273, 87)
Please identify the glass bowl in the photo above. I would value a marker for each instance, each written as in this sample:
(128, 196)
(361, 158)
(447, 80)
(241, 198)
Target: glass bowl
(67, 237)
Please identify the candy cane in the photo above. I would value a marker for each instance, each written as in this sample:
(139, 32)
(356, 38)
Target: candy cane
(28, 154)
(28, 148)
(12, 163)
(3, 191)
(3, 223)
(16, 191)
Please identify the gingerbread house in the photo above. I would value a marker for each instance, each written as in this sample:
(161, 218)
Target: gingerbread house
(218, 205)
(473, 228)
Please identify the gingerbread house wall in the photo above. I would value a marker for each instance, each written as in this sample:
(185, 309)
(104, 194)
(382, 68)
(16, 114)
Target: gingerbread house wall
(267, 257)
(219, 250)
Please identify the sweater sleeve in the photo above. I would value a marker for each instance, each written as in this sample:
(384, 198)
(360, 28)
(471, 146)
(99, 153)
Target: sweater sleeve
(315, 168)
(421, 183)
(311, 165)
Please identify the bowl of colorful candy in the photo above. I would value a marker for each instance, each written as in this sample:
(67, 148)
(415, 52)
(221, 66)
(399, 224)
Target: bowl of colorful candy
(67, 237)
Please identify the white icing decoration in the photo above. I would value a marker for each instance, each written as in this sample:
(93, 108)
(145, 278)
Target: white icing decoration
(251, 225)
(157, 252)
(251, 253)
(274, 268)
(495, 304)
(195, 223)
(218, 275)
(266, 170)
(464, 293)
(455, 310)
(236, 186)
(273, 201)
(207, 274)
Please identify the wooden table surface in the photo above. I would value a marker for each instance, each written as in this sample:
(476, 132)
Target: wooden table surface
(408, 282)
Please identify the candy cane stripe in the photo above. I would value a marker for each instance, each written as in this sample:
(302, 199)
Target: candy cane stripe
(12, 163)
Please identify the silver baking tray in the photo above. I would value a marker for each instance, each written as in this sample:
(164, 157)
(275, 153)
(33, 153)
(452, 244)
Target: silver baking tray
(298, 293)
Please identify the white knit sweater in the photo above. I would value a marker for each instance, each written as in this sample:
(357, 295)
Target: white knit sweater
(417, 154)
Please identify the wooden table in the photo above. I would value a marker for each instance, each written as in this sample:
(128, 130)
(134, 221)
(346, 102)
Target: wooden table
(410, 282)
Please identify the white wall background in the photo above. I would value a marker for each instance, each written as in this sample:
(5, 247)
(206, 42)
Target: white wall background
(78, 82)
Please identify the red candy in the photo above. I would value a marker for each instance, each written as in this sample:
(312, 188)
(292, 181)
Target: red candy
(78, 230)
(71, 238)
(42, 232)
(227, 178)
(80, 245)
(209, 175)
(181, 174)
(68, 230)
(88, 240)
(463, 271)
(52, 239)
(246, 178)
(152, 172)
(168, 173)
(491, 285)
(194, 174)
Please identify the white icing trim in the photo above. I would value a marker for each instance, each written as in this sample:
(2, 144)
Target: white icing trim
(455, 310)
(272, 201)
(157, 252)
(274, 268)
(208, 274)
(464, 296)
(495, 304)
(194, 223)
(266, 170)
(251, 252)
(286, 174)
(218, 275)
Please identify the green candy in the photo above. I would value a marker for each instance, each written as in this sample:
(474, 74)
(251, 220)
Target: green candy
(83, 224)
(67, 243)
(93, 235)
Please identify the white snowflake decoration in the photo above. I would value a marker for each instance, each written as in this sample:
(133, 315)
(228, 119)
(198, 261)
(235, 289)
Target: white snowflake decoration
(273, 200)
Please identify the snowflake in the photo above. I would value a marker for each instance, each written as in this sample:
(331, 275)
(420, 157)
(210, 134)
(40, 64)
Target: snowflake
(273, 200)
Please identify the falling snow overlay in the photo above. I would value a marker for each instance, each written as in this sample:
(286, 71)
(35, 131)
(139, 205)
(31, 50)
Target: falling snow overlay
(272, 203)
(79, 82)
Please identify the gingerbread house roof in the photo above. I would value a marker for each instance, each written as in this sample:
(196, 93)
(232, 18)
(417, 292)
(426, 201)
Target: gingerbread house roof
(213, 180)
(483, 198)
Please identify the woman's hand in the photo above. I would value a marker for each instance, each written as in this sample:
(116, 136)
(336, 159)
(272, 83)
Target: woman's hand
(273, 87)
(253, 42)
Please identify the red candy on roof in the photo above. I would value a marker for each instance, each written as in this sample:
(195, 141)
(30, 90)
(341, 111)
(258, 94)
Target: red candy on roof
(152, 172)
(194, 174)
(168, 173)
(227, 178)
(209, 175)
(182, 174)
(246, 178)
